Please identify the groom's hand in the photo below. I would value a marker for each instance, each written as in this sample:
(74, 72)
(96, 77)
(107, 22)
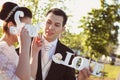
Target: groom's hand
(84, 74)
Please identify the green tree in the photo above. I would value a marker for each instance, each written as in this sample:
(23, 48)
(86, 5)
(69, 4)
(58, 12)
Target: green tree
(40, 7)
(1, 32)
(72, 40)
(100, 30)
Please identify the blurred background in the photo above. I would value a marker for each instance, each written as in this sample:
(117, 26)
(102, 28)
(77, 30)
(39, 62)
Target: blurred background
(92, 30)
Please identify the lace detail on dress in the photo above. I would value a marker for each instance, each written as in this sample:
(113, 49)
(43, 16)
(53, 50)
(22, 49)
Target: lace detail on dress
(7, 66)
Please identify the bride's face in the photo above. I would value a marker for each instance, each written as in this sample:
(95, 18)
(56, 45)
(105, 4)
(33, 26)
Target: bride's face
(26, 20)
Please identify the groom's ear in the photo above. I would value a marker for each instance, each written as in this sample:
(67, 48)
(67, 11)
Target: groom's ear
(63, 28)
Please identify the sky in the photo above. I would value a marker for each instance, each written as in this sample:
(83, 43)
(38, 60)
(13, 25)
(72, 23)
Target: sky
(78, 9)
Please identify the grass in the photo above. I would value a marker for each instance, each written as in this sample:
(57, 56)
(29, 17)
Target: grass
(111, 72)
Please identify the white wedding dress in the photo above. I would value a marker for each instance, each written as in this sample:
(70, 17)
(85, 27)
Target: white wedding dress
(8, 62)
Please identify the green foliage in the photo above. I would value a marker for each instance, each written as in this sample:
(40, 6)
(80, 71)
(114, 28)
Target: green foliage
(71, 40)
(100, 30)
(99, 36)
(1, 32)
(40, 7)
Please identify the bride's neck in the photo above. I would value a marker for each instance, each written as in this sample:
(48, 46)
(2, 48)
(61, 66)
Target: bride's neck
(8, 39)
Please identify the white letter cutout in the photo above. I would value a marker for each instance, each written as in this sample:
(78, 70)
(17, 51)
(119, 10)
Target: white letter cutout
(33, 30)
(97, 67)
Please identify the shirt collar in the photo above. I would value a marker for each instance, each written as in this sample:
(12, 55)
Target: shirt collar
(50, 43)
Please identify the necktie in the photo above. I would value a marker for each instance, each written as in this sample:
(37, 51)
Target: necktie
(47, 49)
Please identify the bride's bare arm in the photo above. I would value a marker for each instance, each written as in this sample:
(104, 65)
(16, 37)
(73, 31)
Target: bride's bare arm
(23, 70)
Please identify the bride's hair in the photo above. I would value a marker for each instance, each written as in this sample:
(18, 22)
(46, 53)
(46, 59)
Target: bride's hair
(7, 13)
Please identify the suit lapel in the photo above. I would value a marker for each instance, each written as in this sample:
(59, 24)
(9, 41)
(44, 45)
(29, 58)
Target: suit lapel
(39, 71)
(55, 70)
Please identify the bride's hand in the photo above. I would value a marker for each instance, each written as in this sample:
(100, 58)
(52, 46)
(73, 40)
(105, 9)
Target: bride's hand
(24, 38)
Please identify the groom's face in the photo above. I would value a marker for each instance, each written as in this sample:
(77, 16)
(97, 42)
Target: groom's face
(53, 26)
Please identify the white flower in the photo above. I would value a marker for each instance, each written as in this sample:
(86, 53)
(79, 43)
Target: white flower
(57, 58)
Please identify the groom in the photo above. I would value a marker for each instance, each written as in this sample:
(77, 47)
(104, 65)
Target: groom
(46, 68)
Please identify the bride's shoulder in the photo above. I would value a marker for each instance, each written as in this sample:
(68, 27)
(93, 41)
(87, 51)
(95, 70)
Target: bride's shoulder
(3, 51)
(3, 45)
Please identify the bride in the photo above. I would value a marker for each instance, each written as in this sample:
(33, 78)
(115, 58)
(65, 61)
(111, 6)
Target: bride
(12, 66)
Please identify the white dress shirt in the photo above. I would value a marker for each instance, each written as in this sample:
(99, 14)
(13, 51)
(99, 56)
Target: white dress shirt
(50, 53)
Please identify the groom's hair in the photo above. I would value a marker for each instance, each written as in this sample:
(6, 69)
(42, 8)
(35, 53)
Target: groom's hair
(59, 12)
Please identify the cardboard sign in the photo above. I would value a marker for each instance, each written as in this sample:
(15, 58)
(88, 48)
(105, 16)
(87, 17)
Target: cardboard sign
(33, 30)
(79, 63)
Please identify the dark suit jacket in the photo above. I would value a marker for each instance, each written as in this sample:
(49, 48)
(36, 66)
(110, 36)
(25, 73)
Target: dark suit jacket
(57, 71)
